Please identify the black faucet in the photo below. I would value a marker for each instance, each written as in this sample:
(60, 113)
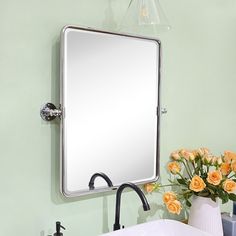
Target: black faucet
(104, 176)
(58, 229)
(146, 206)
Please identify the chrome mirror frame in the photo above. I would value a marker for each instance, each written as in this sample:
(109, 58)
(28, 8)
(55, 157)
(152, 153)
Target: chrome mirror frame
(50, 112)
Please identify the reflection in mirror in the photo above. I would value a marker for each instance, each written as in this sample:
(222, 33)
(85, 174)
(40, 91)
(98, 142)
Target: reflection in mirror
(104, 176)
(110, 101)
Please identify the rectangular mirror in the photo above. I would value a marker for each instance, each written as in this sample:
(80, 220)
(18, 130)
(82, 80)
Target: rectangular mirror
(110, 100)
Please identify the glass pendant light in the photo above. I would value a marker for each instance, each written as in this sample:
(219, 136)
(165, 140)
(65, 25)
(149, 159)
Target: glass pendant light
(144, 17)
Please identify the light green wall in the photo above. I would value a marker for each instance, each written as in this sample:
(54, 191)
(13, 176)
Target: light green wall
(198, 89)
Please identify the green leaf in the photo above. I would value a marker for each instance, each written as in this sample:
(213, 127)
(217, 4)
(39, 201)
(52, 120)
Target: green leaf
(224, 201)
(188, 203)
(204, 176)
(210, 186)
(213, 198)
(225, 198)
(188, 195)
(232, 196)
(171, 181)
(203, 194)
(223, 195)
(211, 191)
(181, 181)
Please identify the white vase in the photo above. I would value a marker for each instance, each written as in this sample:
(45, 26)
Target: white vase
(205, 215)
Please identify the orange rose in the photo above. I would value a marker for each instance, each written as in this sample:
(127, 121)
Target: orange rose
(207, 159)
(169, 196)
(219, 160)
(149, 187)
(229, 156)
(214, 160)
(233, 166)
(197, 184)
(195, 153)
(175, 156)
(174, 167)
(214, 177)
(203, 151)
(225, 168)
(187, 155)
(192, 156)
(229, 186)
(174, 207)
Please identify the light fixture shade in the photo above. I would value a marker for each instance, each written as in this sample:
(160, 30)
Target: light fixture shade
(144, 17)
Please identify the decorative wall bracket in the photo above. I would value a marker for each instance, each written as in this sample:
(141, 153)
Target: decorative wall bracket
(49, 112)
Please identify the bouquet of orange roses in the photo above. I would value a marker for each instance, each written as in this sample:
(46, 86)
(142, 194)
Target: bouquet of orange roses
(198, 172)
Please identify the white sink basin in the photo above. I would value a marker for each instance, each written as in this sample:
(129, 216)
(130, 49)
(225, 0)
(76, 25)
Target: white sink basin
(159, 228)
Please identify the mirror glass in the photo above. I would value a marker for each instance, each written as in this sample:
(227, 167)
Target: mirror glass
(110, 102)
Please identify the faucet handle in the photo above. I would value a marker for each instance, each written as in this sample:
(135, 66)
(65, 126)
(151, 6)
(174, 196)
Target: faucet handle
(58, 229)
(123, 226)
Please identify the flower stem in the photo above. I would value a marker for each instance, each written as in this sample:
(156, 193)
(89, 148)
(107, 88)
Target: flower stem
(189, 168)
(186, 170)
(194, 167)
(169, 185)
(182, 179)
(187, 191)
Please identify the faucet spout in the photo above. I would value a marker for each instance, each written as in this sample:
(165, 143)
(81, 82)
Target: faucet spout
(141, 195)
(100, 174)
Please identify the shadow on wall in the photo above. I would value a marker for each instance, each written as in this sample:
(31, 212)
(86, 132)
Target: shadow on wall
(162, 212)
(144, 215)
